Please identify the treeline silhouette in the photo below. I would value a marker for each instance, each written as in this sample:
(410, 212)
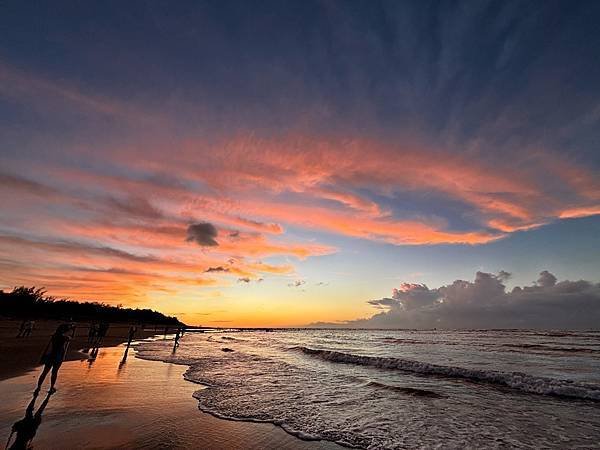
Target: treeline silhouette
(29, 302)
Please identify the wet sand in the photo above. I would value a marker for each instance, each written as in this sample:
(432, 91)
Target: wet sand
(105, 404)
(18, 355)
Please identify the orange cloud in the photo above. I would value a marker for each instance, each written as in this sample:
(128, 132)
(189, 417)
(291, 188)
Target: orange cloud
(125, 224)
(580, 212)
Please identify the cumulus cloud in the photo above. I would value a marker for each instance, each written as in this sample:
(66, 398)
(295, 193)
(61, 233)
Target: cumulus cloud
(546, 279)
(203, 234)
(485, 302)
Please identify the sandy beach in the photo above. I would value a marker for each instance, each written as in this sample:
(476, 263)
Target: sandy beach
(108, 403)
(18, 355)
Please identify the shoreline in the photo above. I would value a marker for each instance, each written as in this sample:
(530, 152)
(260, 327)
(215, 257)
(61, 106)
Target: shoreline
(299, 435)
(109, 402)
(249, 420)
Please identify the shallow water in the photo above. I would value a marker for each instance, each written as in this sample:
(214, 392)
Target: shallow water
(403, 389)
(108, 403)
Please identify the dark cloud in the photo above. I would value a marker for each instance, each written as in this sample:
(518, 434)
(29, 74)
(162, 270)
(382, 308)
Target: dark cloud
(504, 275)
(203, 234)
(383, 302)
(297, 283)
(248, 280)
(414, 295)
(216, 269)
(486, 303)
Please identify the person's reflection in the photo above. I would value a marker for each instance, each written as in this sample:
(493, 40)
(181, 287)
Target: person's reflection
(25, 429)
(121, 365)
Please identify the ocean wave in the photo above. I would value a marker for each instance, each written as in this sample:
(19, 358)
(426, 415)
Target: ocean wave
(370, 409)
(514, 380)
(548, 348)
(581, 347)
(405, 390)
(224, 338)
(394, 340)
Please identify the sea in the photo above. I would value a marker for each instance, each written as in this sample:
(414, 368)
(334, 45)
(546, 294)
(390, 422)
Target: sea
(396, 389)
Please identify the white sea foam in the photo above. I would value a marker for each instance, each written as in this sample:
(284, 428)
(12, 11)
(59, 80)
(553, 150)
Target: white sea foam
(513, 380)
(361, 390)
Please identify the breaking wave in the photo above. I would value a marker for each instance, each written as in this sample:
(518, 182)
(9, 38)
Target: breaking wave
(514, 380)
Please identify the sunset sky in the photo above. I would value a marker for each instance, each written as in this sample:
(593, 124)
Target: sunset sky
(283, 163)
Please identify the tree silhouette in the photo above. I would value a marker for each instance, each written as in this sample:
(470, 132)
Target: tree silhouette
(32, 302)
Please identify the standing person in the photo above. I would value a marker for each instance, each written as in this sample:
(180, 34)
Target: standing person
(132, 331)
(22, 328)
(101, 331)
(54, 355)
(92, 332)
(28, 328)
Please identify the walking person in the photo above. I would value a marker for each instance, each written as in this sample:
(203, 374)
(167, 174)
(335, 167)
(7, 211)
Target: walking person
(177, 337)
(54, 355)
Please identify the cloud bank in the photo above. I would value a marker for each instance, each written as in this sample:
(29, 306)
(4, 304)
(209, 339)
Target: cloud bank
(486, 303)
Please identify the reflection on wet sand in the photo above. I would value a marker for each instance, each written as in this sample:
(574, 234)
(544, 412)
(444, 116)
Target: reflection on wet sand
(25, 429)
(126, 402)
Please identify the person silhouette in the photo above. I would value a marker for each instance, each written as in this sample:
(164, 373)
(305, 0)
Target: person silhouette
(28, 328)
(27, 427)
(177, 337)
(101, 333)
(54, 355)
(92, 332)
(22, 328)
